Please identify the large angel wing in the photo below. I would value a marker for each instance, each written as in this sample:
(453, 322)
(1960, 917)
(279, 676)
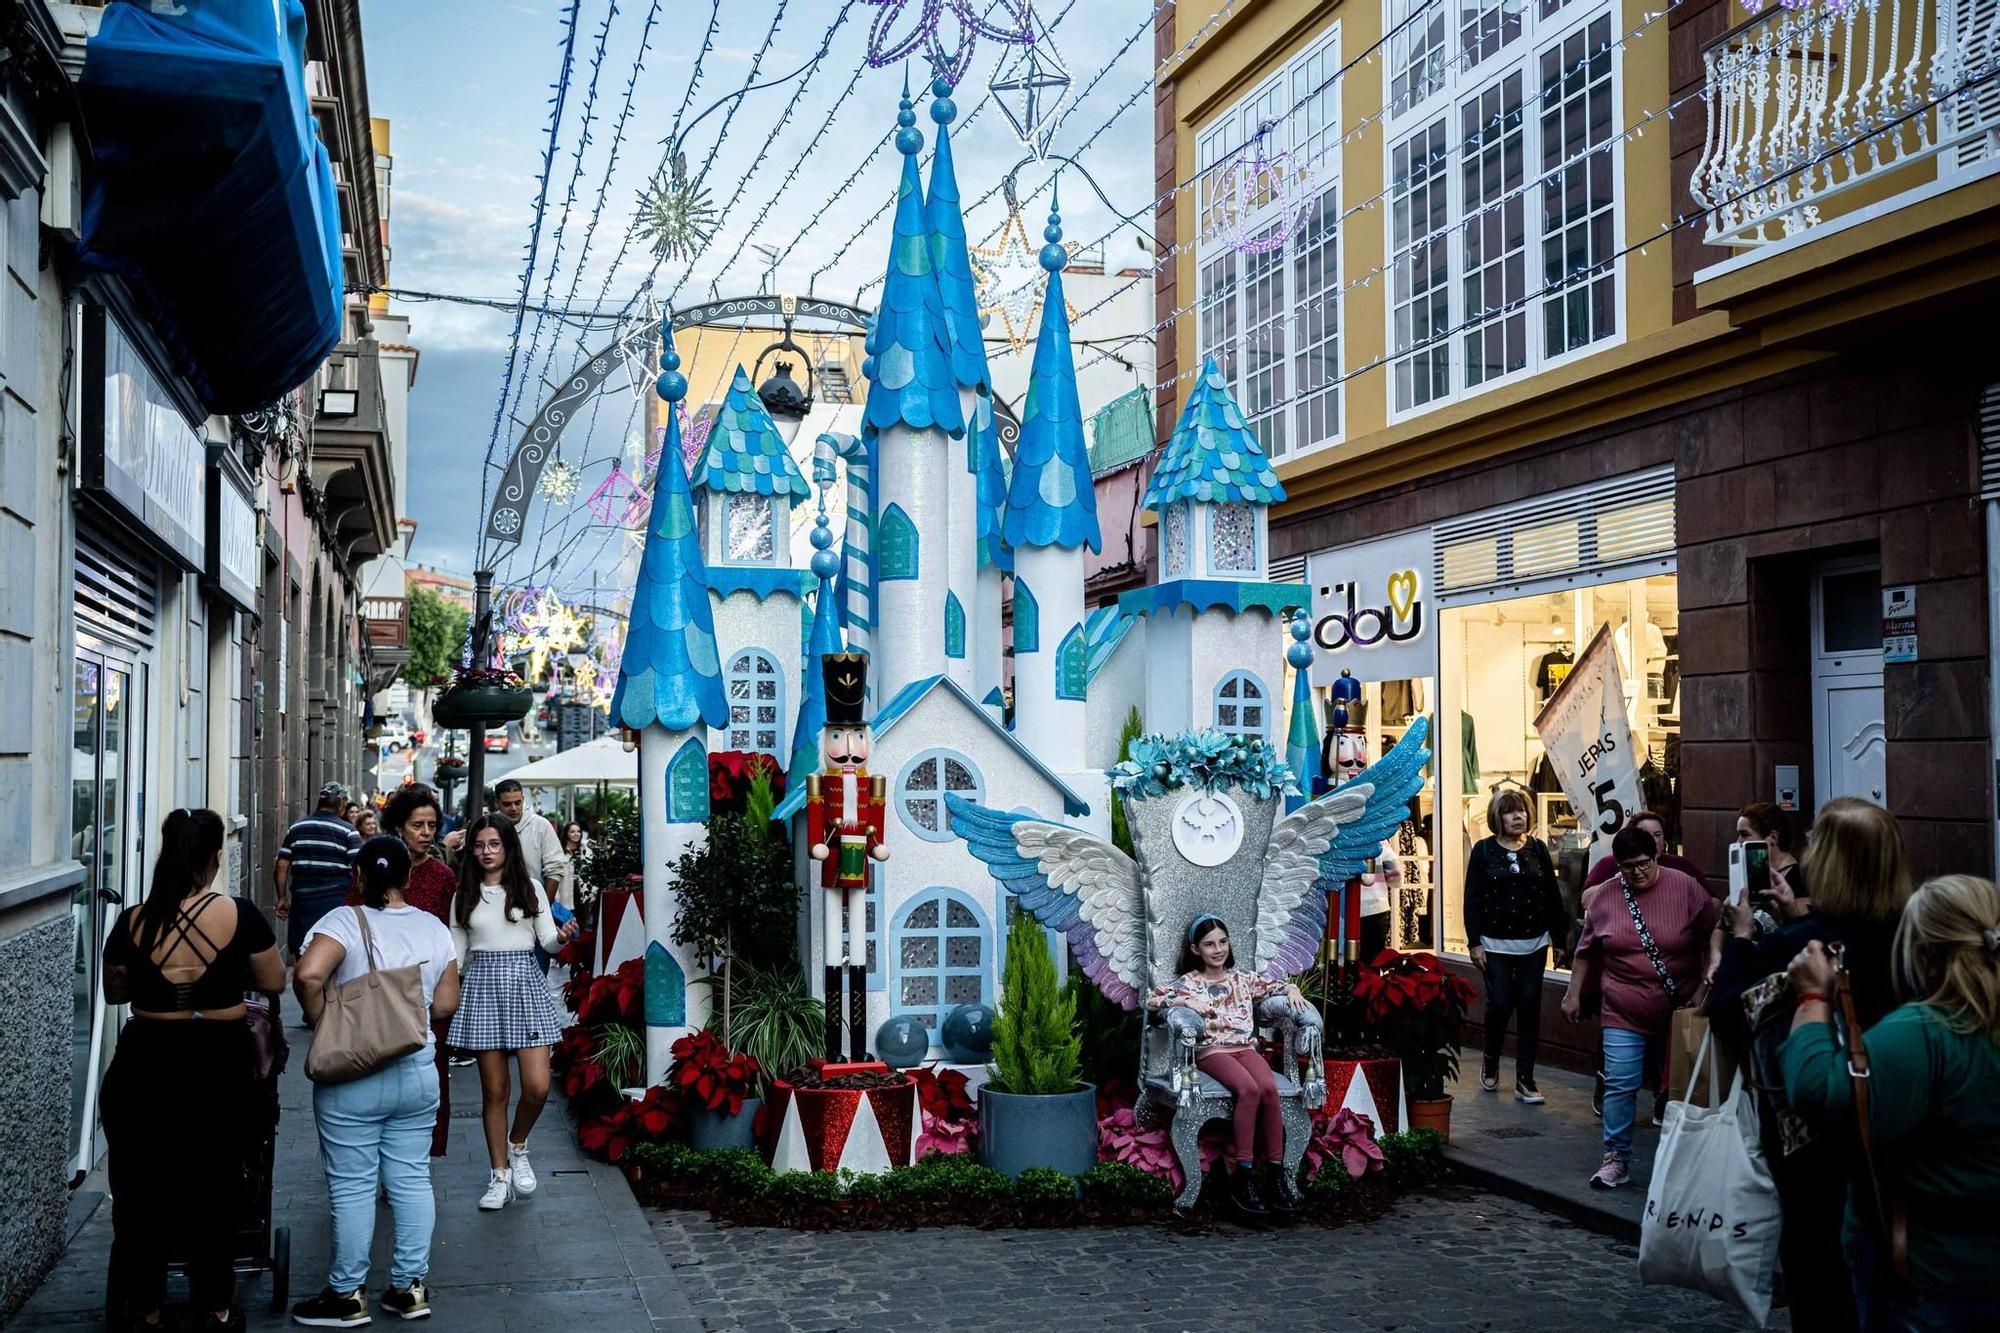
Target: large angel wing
(1071, 882)
(1323, 844)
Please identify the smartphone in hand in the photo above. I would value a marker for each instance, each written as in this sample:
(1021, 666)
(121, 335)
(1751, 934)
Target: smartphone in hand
(1757, 874)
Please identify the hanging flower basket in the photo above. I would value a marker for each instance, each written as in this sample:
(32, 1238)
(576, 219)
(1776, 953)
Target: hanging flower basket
(487, 696)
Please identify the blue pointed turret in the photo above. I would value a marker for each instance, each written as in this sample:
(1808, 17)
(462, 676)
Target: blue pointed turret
(1302, 754)
(985, 436)
(824, 639)
(1050, 501)
(911, 382)
(745, 452)
(1213, 455)
(670, 674)
(948, 252)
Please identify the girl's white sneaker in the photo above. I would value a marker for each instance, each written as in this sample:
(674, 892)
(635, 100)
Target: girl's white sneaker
(523, 1174)
(499, 1186)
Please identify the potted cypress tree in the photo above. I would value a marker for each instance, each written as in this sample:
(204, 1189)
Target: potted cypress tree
(1034, 1109)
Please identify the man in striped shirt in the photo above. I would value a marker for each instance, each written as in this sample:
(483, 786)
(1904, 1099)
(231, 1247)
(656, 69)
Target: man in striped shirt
(316, 865)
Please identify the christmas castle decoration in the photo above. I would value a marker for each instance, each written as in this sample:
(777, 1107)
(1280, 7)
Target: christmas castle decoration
(729, 639)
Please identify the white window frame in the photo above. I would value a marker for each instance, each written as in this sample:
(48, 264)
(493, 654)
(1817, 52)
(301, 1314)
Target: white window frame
(1544, 23)
(903, 793)
(1263, 732)
(1222, 326)
(763, 666)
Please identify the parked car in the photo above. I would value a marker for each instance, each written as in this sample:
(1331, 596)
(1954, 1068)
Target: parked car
(395, 735)
(498, 742)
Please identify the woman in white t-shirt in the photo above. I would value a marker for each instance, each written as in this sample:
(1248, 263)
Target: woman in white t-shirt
(379, 1125)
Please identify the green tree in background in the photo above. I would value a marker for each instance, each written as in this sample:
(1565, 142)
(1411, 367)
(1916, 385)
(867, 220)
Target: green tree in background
(1035, 1044)
(1121, 832)
(437, 628)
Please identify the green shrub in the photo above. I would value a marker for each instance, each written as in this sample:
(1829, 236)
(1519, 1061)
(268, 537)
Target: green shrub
(1125, 1185)
(937, 1177)
(1331, 1180)
(737, 1171)
(1411, 1145)
(672, 1160)
(803, 1188)
(1043, 1187)
(1036, 1050)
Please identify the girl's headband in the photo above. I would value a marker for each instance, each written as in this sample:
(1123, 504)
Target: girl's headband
(1199, 926)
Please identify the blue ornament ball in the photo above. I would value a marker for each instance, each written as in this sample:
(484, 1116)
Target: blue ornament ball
(902, 1042)
(968, 1033)
(671, 385)
(943, 108)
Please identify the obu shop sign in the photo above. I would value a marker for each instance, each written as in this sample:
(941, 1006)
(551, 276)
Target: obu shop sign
(1371, 610)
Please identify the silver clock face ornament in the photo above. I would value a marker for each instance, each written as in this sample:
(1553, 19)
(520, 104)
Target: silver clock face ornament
(1207, 828)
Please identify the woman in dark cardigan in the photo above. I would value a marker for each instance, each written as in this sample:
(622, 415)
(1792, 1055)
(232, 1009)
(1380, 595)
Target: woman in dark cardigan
(1514, 915)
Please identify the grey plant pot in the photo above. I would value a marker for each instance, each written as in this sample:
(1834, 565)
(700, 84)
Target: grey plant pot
(711, 1129)
(1017, 1130)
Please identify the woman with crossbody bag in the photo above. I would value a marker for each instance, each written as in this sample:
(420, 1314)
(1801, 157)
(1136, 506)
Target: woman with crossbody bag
(1643, 948)
(375, 1097)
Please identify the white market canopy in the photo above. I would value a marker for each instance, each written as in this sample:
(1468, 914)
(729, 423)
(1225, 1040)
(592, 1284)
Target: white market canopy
(602, 761)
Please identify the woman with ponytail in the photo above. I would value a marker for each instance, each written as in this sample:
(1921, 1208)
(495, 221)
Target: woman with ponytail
(378, 1127)
(1932, 1080)
(178, 1097)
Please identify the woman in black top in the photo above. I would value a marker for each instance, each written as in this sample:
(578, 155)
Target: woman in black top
(177, 1100)
(1514, 914)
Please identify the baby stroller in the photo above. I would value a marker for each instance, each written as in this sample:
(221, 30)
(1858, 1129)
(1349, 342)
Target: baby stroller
(259, 1247)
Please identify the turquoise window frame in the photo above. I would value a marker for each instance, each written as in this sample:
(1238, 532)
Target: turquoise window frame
(954, 626)
(1073, 666)
(687, 797)
(898, 546)
(1027, 618)
(944, 932)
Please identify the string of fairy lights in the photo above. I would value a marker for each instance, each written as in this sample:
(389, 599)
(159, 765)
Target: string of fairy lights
(562, 549)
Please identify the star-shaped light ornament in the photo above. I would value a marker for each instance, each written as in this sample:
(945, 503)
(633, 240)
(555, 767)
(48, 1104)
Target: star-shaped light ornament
(675, 216)
(560, 482)
(638, 343)
(1031, 85)
(1015, 26)
(1008, 282)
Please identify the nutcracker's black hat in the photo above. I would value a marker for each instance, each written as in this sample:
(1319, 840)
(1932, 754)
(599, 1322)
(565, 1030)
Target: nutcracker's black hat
(846, 676)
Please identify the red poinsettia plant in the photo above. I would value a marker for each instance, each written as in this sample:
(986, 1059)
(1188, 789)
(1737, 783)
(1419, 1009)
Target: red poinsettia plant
(648, 1119)
(950, 1125)
(618, 998)
(1346, 1137)
(730, 773)
(1418, 1006)
(709, 1074)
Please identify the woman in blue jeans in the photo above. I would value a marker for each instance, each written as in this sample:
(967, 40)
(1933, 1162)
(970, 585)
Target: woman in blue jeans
(378, 1128)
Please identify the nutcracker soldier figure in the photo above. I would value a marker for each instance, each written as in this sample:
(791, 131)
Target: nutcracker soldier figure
(845, 809)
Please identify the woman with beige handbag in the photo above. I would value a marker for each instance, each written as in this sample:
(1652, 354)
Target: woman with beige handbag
(371, 980)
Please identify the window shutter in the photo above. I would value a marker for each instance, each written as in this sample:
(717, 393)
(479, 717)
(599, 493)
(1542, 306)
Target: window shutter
(1571, 537)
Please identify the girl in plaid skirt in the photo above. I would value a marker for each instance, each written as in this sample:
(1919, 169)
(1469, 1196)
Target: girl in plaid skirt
(497, 919)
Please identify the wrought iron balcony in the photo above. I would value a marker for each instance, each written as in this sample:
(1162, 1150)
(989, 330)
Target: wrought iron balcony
(1874, 97)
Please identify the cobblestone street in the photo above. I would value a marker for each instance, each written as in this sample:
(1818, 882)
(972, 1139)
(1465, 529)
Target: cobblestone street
(1456, 1261)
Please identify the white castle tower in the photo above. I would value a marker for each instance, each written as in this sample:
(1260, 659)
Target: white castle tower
(912, 415)
(1051, 517)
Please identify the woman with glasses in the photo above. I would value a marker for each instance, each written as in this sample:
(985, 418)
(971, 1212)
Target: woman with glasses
(1644, 946)
(1514, 915)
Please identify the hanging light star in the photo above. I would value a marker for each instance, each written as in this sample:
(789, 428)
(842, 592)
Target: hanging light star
(1031, 85)
(560, 482)
(675, 216)
(1008, 281)
(1016, 28)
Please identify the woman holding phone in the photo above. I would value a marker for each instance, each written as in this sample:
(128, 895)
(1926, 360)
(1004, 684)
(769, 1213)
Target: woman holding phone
(1860, 883)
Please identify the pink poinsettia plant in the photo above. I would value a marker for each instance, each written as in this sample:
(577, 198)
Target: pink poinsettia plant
(1346, 1137)
(1119, 1139)
(949, 1126)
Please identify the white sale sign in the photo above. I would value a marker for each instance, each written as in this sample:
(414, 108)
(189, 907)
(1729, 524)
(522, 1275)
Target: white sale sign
(1588, 736)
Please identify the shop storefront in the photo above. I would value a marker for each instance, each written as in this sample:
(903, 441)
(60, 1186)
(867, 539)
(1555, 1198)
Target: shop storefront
(140, 532)
(1477, 622)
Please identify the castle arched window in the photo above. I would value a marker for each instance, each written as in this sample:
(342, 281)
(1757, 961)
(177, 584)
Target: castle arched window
(1073, 665)
(756, 691)
(895, 546)
(940, 956)
(1027, 618)
(1243, 706)
(921, 787)
(749, 529)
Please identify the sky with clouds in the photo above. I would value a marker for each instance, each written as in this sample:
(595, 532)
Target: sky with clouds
(467, 86)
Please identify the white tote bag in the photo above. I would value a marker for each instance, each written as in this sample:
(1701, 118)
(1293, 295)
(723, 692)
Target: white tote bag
(1712, 1212)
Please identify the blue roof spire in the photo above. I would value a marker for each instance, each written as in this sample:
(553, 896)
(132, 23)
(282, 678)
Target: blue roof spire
(670, 674)
(948, 251)
(1302, 753)
(1213, 455)
(825, 638)
(745, 452)
(1050, 501)
(911, 382)
(991, 502)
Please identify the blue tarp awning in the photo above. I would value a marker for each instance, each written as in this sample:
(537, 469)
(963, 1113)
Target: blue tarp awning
(210, 192)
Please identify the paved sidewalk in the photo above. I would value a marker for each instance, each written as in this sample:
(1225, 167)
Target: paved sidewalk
(580, 1254)
(1544, 1154)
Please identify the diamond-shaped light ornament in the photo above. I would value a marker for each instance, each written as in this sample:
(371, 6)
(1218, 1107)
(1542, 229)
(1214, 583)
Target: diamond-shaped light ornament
(1031, 85)
(560, 482)
(675, 216)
